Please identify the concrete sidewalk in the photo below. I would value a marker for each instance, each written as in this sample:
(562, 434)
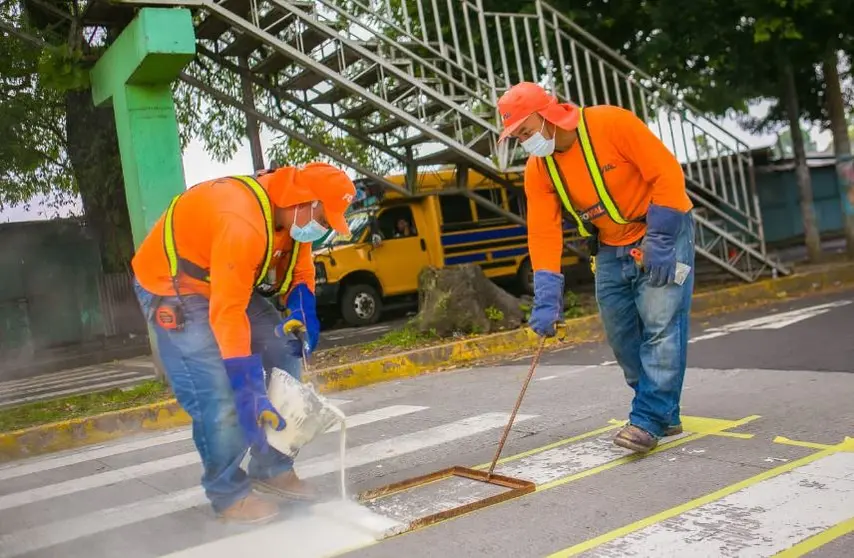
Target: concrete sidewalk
(88, 379)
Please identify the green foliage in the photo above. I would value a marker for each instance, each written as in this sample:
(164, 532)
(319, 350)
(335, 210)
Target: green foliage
(61, 68)
(572, 307)
(43, 412)
(494, 314)
(407, 337)
(33, 160)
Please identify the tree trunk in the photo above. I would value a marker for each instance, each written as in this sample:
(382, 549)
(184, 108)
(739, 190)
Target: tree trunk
(252, 130)
(841, 146)
(463, 300)
(93, 150)
(802, 172)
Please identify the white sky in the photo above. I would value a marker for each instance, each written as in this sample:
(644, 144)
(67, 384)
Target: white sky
(198, 166)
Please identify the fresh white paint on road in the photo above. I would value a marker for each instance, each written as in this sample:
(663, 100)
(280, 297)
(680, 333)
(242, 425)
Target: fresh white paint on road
(756, 522)
(45, 535)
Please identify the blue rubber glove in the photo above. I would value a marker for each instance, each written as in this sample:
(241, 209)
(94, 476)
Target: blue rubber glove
(659, 244)
(254, 410)
(547, 309)
(301, 319)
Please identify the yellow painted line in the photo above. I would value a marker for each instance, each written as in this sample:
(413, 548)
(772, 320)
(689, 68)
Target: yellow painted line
(688, 506)
(846, 445)
(699, 426)
(817, 541)
(553, 445)
(737, 435)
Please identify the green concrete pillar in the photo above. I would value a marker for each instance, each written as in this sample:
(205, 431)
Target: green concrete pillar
(135, 75)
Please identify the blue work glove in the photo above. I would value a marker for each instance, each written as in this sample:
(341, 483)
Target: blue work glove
(659, 244)
(547, 309)
(254, 410)
(301, 320)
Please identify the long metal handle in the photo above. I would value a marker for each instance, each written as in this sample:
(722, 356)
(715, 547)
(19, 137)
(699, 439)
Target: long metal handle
(516, 408)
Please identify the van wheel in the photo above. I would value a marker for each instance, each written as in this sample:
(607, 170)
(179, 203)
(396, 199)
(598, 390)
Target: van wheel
(525, 277)
(361, 305)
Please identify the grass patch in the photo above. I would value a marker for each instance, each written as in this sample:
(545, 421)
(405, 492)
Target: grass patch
(405, 338)
(44, 412)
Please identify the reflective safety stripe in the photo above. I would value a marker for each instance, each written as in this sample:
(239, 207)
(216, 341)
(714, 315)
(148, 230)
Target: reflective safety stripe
(555, 174)
(595, 175)
(177, 264)
(289, 273)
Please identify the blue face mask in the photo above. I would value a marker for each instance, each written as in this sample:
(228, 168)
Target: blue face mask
(308, 233)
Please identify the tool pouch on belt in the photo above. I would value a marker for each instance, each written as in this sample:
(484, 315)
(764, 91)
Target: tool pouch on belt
(168, 315)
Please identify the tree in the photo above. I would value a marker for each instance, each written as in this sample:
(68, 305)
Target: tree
(836, 104)
(64, 145)
(726, 55)
(33, 159)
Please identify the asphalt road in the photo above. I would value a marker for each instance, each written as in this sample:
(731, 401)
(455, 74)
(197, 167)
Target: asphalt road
(767, 399)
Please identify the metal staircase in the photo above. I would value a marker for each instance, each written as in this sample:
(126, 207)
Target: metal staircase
(416, 82)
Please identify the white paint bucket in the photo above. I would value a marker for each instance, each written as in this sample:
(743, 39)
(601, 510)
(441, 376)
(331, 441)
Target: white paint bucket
(306, 413)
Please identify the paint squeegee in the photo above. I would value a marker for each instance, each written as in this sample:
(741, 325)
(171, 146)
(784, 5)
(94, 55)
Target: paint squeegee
(517, 487)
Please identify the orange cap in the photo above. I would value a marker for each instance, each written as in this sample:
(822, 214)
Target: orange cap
(289, 186)
(524, 99)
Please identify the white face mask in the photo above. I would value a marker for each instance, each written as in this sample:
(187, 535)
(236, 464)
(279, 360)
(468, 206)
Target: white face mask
(538, 145)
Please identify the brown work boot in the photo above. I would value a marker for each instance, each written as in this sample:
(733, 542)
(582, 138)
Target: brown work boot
(673, 430)
(635, 438)
(251, 509)
(286, 485)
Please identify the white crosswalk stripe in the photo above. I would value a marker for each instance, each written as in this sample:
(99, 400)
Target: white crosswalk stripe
(51, 480)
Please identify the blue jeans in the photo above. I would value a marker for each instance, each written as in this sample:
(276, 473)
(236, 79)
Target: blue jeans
(647, 328)
(197, 374)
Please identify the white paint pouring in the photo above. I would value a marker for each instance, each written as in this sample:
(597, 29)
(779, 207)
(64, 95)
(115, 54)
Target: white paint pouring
(325, 529)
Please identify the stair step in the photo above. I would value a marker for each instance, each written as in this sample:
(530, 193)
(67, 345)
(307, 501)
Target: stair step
(213, 27)
(430, 109)
(450, 156)
(277, 61)
(245, 44)
(365, 79)
(309, 77)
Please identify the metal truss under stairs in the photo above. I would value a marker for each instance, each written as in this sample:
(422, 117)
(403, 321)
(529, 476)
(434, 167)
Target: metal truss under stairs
(415, 82)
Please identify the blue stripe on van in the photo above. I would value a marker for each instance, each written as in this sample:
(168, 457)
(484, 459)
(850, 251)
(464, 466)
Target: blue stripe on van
(453, 239)
(509, 253)
(468, 258)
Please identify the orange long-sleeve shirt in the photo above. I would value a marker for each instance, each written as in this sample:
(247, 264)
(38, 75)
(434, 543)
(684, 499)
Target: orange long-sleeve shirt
(636, 166)
(219, 226)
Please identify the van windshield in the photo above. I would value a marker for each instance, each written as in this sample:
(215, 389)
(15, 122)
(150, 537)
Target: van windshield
(357, 223)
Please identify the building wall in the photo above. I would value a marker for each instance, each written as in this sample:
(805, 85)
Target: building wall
(55, 301)
(779, 200)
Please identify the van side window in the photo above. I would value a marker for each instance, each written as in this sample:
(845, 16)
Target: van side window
(456, 212)
(397, 222)
(487, 214)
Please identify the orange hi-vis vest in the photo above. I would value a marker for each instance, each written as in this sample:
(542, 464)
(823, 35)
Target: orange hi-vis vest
(178, 264)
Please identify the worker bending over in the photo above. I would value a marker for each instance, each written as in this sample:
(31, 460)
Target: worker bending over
(206, 275)
(605, 170)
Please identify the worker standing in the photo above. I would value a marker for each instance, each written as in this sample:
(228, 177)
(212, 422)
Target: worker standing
(603, 169)
(207, 276)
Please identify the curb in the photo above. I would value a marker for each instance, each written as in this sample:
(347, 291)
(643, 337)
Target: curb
(86, 431)
(168, 414)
